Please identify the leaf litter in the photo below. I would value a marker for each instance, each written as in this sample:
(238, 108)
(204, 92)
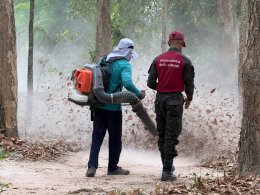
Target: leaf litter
(38, 150)
(209, 115)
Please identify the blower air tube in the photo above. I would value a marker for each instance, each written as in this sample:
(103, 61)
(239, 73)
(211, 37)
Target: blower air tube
(122, 97)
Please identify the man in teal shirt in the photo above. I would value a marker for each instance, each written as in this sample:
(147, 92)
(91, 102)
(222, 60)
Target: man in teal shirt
(109, 116)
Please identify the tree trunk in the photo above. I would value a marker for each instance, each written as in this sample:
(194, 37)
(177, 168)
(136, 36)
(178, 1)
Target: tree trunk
(228, 37)
(30, 49)
(249, 144)
(242, 51)
(8, 70)
(29, 103)
(164, 25)
(103, 33)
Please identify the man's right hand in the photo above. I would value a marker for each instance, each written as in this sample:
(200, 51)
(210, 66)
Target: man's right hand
(142, 96)
(187, 103)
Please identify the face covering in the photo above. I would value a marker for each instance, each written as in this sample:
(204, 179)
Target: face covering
(129, 54)
(124, 49)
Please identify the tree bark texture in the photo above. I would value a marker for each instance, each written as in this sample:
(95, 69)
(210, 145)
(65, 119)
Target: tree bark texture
(164, 25)
(29, 102)
(228, 37)
(30, 49)
(249, 144)
(103, 33)
(8, 70)
(242, 51)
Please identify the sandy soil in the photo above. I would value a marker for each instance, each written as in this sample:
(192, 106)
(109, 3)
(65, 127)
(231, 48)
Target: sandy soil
(67, 174)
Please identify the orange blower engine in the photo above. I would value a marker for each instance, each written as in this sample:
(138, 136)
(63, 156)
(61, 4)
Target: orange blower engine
(82, 79)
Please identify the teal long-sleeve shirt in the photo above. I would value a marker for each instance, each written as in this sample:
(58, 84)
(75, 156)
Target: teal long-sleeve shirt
(121, 76)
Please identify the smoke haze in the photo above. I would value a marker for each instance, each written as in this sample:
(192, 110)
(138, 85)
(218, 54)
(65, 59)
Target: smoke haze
(210, 126)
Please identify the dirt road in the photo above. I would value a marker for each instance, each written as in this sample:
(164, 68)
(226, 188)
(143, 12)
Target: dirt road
(67, 174)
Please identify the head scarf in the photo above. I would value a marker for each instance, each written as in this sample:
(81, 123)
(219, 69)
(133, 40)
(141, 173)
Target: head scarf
(124, 49)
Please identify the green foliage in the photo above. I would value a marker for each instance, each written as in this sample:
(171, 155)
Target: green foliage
(62, 25)
(117, 25)
(129, 18)
(21, 8)
(196, 18)
(83, 8)
(3, 186)
(93, 56)
(52, 22)
(3, 154)
(56, 32)
(136, 17)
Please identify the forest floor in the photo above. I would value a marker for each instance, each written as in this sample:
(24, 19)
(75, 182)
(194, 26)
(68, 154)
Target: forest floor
(59, 168)
(66, 174)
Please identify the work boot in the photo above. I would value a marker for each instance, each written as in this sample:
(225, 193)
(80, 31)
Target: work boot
(118, 171)
(173, 167)
(91, 172)
(168, 176)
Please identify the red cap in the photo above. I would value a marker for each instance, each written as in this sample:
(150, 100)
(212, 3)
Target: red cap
(176, 35)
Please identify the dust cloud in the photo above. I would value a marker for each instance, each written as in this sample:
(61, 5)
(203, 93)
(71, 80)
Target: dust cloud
(210, 126)
(152, 158)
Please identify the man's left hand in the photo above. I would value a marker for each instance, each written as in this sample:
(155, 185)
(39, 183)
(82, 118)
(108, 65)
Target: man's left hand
(187, 103)
(142, 96)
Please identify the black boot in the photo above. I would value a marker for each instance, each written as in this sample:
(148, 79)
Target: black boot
(91, 172)
(119, 171)
(168, 163)
(168, 176)
(162, 159)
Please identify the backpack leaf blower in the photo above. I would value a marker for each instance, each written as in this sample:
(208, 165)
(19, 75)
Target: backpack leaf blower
(93, 93)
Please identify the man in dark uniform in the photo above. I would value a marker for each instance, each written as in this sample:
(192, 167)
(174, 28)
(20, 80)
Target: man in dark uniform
(170, 74)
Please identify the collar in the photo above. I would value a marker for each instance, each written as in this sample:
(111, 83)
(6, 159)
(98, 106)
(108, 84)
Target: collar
(174, 49)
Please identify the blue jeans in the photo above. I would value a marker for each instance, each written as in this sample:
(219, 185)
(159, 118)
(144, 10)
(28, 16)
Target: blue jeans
(104, 120)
